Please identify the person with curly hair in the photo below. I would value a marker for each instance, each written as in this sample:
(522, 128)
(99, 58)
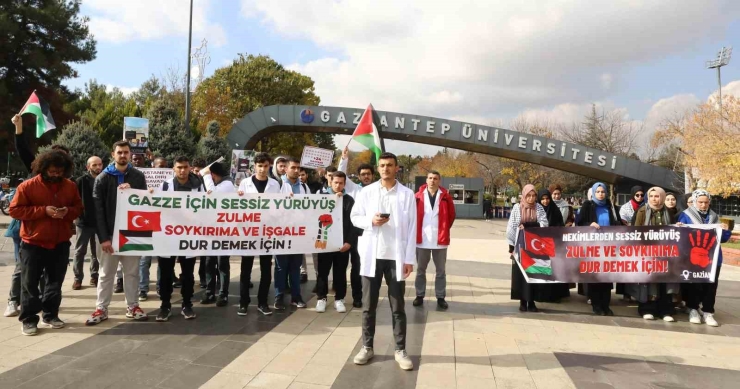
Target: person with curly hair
(47, 205)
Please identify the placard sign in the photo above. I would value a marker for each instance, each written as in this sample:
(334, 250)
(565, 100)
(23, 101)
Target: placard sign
(314, 157)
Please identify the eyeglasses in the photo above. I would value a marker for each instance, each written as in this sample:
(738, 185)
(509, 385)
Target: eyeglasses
(639, 195)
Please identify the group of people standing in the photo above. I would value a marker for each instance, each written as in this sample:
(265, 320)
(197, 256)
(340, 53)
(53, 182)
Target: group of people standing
(386, 226)
(654, 300)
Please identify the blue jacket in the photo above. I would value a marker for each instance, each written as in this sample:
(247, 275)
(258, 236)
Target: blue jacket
(726, 234)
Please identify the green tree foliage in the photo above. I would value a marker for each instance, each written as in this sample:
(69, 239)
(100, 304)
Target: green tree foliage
(104, 110)
(40, 39)
(213, 145)
(170, 140)
(83, 142)
(253, 82)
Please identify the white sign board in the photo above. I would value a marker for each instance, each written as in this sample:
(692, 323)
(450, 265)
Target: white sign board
(183, 224)
(156, 176)
(314, 157)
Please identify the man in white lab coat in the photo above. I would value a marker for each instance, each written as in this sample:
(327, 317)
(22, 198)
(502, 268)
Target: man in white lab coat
(386, 212)
(217, 179)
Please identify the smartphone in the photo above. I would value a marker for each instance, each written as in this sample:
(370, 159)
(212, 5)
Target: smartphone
(385, 215)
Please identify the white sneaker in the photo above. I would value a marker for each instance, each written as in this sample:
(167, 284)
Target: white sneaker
(404, 362)
(668, 318)
(364, 356)
(12, 309)
(339, 306)
(648, 316)
(709, 319)
(694, 317)
(321, 306)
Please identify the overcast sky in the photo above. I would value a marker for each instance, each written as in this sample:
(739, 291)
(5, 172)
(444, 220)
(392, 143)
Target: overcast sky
(484, 62)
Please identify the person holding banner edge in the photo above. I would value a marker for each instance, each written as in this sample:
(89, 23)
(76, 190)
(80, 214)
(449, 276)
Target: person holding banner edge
(703, 294)
(598, 212)
(556, 291)
(525, 214)
(654, 299)
(119, 175)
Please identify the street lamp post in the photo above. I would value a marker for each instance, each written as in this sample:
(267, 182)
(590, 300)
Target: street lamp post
(723, 58)
(187, 82)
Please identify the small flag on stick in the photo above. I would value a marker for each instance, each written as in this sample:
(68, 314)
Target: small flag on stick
(37, 106)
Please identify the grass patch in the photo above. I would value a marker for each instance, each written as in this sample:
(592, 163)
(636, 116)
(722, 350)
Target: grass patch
(732, 245)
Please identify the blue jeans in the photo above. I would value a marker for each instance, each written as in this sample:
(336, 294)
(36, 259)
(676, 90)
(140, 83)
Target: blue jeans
(290, 263)
(144, 264)
(15, 279)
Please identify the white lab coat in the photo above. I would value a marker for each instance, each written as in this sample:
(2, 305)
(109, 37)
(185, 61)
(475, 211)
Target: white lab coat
(287, 189)
(225, 186)
(350, 187)
(247, 186)
(430, 223)
(367, 204)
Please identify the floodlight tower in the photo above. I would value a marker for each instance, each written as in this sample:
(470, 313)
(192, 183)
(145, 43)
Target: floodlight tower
(723, 58)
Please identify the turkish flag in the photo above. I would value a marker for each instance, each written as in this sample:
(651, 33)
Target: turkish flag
(144, 221)
(538, 245)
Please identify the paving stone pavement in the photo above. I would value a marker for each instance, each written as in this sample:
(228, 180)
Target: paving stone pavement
(482, 341)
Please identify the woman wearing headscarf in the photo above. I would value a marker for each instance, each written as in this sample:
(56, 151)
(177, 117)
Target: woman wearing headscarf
(627, 211)
(553, 292)
(671, 202)
(556, 194)
(654, 299)
(599, 212)
(527, 213)
(703, 294)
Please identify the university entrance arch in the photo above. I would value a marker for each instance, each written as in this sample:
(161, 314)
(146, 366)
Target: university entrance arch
(570, 157)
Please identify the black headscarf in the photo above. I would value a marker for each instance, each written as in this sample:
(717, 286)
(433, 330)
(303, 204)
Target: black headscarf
(554, 216)
(635, 203)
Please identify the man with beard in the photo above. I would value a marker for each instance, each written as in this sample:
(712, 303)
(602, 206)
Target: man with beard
(46, 205)
(86, 224)
(119, 175)
(217, 179)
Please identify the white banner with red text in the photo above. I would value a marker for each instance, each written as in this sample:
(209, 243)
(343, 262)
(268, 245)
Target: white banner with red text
(192, 224)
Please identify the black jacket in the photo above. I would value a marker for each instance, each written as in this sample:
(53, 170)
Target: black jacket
(85, 188)
(105, 194)
(587, 214)
(350, 232)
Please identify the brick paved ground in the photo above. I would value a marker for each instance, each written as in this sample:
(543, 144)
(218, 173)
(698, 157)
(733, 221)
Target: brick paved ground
(482, 341)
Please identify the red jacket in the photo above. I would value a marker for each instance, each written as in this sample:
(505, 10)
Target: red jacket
(29, 206)
(446, 214)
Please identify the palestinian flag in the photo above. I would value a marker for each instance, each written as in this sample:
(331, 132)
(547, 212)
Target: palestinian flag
(367, 133)
(38, 107)
(534, 265)
(135, 241)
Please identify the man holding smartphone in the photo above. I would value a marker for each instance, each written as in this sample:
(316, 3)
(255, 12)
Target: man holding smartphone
(386, 212)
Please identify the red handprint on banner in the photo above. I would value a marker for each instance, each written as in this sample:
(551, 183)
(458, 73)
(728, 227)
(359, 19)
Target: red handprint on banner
(700, 248)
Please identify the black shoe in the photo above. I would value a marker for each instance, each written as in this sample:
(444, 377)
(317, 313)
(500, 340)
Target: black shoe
(202, 285)
(119, 287)
(164, 314)
(522, 307)
(598, 312)
(54, 323)
(177, 284)
(608, 312)
(298, 303)
(279, 303)
(532, 308)
(304, 278)
(264, 309)
(251, 285)
(357, 303)
(242, 311)
(442, 304)
(222, 301)
(142, 296)
(208, 299)
(158, 292)
(29, 329)
(418, 301)
(188, 313)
